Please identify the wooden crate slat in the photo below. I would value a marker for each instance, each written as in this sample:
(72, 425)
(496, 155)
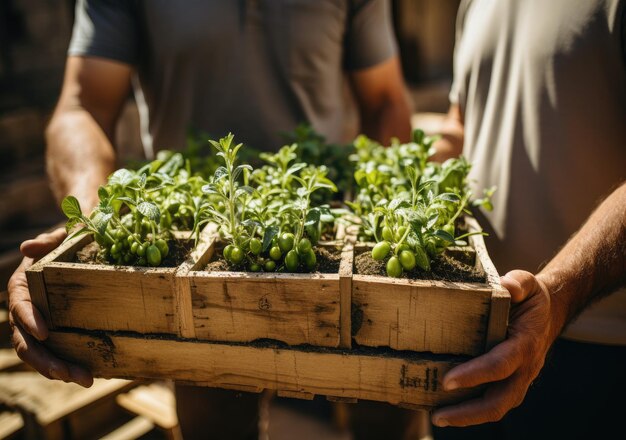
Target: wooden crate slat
(386, 378)
(292, 308)
(500, 299)
(242, 307)
(420, 316)
(345, 296)
(111, 297)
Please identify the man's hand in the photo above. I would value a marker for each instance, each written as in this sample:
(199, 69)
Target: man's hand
(28, 326)
(509, 368)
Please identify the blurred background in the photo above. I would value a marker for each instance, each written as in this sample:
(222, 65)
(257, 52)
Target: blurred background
(34, 35)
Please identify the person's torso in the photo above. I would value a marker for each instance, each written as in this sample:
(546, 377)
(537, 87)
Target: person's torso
(542, 87)
(255, 68)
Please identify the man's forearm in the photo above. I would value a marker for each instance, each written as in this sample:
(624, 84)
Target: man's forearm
(79, 156)
(591, 264)
(392, 120)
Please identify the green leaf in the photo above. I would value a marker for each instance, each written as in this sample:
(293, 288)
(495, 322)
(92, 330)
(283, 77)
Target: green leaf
(449, 197)
(432, 220)
(103, 194)
(312, 217)
(243, 190)
(122, 177)
(82, 231)
(268, 236)
(126, 200)
(220, 173)
(444, 235)
(149, 210)
(71, 207)
(101, 220)
(71, 223)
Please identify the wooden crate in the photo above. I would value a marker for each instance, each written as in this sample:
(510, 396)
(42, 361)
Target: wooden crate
(292, 308)
(341, 335)
(431, 316)
(105, 297)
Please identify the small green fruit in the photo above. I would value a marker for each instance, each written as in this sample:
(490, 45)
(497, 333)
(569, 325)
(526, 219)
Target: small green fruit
(275, 253)
(285, 242)
(291, 261)
(153, 255)
(236, 255)
(394, 268)
(407, 260)
(381, 250)
(163, 247)
(387, 234)
(304, 246)
(310, 260)
(255, 246)
(227, 251)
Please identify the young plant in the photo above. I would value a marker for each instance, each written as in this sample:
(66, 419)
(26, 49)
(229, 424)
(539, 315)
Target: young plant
(126, 223)
(408, 205)
(270, 227)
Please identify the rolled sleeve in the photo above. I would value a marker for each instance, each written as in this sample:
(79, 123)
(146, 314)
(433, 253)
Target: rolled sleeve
(107, 29)
(370, 38)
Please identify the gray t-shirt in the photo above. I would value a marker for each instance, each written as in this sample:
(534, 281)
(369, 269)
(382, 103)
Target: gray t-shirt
(251, 67)
(542, 87)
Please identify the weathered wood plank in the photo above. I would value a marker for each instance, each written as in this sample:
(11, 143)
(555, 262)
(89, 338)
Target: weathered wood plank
(345, 292)
(135, 428)
(242, 307)
(49, 400)
(442, 317)
(500, 298)
(199, 257)
(11, 424)
(388, 377)
(434, 316)
(38, 295)
(101, 297)
(154, 401)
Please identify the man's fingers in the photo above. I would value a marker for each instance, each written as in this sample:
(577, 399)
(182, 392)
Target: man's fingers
(38, 357)
(43, 244)
(80, 375)
(21, 309)
(520, 284)
(498, 399)
(26, 315)
(499, 363)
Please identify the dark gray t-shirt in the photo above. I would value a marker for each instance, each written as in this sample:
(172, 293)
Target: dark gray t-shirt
(251, 67)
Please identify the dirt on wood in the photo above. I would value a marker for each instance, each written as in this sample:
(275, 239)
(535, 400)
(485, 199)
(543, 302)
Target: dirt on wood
(328, 260)
(443, 268)
(178, 253)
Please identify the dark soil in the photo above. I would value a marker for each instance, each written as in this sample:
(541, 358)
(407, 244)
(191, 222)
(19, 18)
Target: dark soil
(179, 251)
(328, 260)
(443, 268)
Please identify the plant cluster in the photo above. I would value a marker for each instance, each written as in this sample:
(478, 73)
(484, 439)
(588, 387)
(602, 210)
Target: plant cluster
(127, 223)
(271, 217)
(408, 205)
(265, 216)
